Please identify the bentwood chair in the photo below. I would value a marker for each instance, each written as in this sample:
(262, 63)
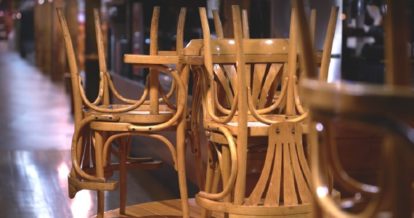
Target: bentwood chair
(140, 117)
(166, 96)
(258, 109)
(387, 109)
(248, 72)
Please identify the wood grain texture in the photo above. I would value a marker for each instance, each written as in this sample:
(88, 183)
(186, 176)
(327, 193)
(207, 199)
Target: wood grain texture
(164, 209)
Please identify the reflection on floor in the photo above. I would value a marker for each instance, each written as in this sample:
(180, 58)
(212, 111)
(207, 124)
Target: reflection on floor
(35, 140)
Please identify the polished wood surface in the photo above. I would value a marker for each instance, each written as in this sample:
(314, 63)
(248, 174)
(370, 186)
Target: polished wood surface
(35, 155)
(159, 209)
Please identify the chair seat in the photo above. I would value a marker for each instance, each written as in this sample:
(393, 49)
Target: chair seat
(140, 115)
(255, 128)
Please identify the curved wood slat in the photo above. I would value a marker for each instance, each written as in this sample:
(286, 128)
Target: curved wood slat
(259, 72)
(275, 189)
(257, 193)
(270, 85)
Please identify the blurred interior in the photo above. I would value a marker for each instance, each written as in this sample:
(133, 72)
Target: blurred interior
(32, 61)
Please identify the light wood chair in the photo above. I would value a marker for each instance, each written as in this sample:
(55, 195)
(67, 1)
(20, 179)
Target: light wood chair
(249, 72)
(387, 109)
(251, 98)
(165, 96)
(148, 116)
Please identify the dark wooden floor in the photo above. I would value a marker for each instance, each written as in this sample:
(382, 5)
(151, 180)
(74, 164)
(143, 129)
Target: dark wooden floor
(35, 133)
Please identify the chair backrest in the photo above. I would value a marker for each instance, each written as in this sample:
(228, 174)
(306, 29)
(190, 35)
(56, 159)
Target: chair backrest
(217, 24)
(327, 46)
(155, 89)
(245, 23)
(79, 97)
(271, 68)
(101, 55)
(73, 68)
(270, 71)
(153, 78)
(106, 85)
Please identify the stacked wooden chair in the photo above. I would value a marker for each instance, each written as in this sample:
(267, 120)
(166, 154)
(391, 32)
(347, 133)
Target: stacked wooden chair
(387, 109)
(153, 113)
(250, 97)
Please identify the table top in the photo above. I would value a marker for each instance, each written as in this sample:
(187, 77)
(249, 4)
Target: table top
(223, 51)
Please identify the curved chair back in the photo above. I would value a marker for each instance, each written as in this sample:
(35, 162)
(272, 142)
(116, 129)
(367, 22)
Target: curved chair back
(73, 69)
(265, 66)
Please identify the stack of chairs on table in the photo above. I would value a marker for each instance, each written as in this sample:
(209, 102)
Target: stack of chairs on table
(247, 90)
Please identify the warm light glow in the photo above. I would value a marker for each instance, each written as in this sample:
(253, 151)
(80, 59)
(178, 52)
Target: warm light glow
(232, 42)
(216, 67)
(370, 188)
(269, 42)
(347, 204)
(319, 127)
(322, 191)
(63, 172)
(81, 204)
(81, 18)
(41, 2)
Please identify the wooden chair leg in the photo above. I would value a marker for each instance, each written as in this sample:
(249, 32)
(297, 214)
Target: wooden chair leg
(213, 176)
(196, 153)
(214, 180)
(183, 186)
(101, 204)
(181, 169)
(122, 177)
(225, 172)
(99, 171)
